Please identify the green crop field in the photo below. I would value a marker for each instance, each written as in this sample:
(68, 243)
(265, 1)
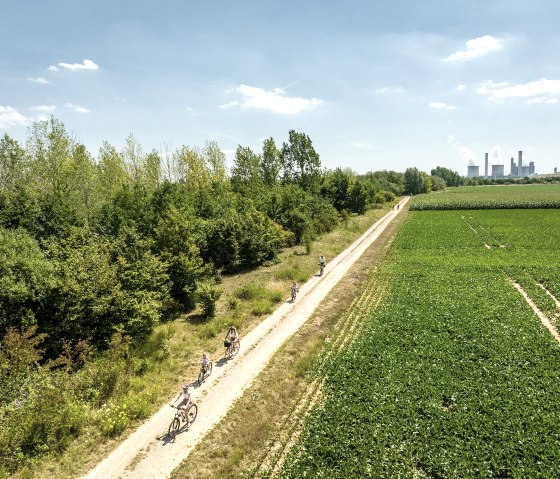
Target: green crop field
(490, 197)
(453, 375)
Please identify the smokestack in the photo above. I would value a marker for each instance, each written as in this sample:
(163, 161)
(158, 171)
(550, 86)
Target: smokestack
(531, 167)
(520, 163)
(555, 170)
(486, 165)
(512, 169)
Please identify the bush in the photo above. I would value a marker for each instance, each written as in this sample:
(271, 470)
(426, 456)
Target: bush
(261, 307)
(276, 296)
(112, 420)
(250, 291)
(208, 293)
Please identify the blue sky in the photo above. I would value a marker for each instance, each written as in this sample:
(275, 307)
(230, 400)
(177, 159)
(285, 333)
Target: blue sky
(375, 84)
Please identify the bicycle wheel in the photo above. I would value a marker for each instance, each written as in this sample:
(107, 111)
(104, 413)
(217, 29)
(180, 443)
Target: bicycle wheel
(235, 347)
(200, 376)
(209, 369)
(191, 414)
(174, 428)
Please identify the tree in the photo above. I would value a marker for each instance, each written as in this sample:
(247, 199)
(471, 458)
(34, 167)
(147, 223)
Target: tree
(12, 163)
(175, 243)
(245, 173)
(271, 163)
(301, 162)
(416, 182)
(111, 172)
(26, 276)
(451, 178)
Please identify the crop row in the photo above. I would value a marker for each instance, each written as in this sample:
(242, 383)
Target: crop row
(490, 197)
(453, 375)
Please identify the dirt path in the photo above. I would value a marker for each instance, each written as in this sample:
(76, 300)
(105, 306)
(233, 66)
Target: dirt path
(148, 454)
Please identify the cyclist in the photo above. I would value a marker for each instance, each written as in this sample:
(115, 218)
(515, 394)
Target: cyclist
(232, 333)
(204, 361)
(187, 401)
(322, 263)
(294, 290)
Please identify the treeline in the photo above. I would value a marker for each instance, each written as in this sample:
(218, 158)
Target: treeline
(91, 246)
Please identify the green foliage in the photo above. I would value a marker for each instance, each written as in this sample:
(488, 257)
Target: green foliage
(208, 294)
(290, 272)
(26, 278)
(301, 162)
(261, 307)
(450, 177)
(175, 242)
(416, 182)
(250, 291)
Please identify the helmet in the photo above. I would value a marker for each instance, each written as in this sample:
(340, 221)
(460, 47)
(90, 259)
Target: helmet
(185, 386)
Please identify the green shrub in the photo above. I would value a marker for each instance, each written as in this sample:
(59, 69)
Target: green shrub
(292, 273)
(261, 307)
(208, 293)
(250, 291)
(112, 420)
(276, 296)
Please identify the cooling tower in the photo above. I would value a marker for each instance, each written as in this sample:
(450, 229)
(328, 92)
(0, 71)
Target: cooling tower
(472, 171)
(497, 171)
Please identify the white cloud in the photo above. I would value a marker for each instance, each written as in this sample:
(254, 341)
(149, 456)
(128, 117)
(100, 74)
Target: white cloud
(85, 65)
(231, 104)
(542, 100)
(451, 139)
(475, 48)
(77, 108)
(52, 68)
(461, 87)
(274, 100)
(388, 90)
(541, 91)
(440, 106)
(11, 117)
(43, 108)
(39, 80)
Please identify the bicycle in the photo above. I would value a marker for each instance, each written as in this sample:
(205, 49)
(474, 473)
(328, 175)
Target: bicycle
(205, 371)
(188, 416)
(321, 269)
(294, 294)
(232, 348)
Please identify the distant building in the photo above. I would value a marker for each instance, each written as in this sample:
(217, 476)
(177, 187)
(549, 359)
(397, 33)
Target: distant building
(497, 171)
(473, 171)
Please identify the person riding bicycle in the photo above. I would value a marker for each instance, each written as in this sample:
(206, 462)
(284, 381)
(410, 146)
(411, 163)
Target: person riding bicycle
(187, 401)
(322, 263)
(204, 361)
(232, 333)
(294, 289)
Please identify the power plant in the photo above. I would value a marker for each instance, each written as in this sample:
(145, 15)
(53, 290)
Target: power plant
(516, 169)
